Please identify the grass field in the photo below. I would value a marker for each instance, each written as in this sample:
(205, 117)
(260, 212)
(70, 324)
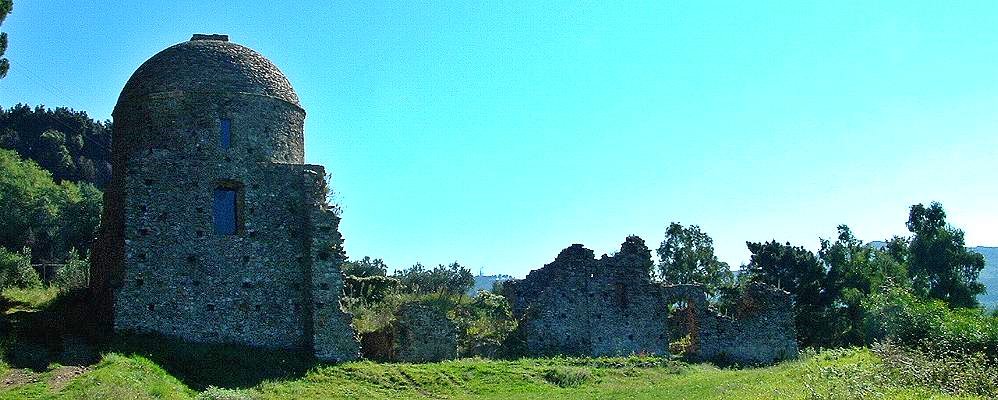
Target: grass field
(58, 366)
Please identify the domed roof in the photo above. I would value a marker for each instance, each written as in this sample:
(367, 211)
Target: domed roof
(208, 63)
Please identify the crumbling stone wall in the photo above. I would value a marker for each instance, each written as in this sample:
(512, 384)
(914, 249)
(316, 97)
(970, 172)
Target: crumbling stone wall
(424, 333)
(580, 305)
(159, 265)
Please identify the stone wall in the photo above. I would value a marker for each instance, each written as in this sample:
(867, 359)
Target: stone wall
(583, 306)
(424, 333)
(580, 305)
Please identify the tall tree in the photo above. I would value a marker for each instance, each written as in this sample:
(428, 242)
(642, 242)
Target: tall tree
(687, 256)
(939, 262)
(800, 273)
(67, 143)
(47, 217)
(6, 6)
(854, 271)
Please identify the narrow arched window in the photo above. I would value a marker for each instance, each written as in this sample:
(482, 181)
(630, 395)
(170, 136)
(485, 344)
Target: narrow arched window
(227, 208)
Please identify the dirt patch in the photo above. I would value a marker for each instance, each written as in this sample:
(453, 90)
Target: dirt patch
(19, 376)
(63, 375)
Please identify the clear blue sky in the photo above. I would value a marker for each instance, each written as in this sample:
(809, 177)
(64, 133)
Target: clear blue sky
(496, 135)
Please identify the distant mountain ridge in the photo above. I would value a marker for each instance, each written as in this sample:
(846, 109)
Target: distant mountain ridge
(989, 275)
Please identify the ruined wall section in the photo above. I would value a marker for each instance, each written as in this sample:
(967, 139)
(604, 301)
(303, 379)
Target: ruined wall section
(578, 305)
(761, 331)
(332, 336)
(424, 333)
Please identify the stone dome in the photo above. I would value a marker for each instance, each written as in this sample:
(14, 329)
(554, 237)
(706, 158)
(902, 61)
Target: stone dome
(208, 64)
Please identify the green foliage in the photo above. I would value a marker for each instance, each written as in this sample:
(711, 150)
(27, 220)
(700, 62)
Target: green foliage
(370, 289)
(6, 6)
(365, 267)
(36, 212)
(67, 143)
(453, 279)
(567, 376)
(854, 271)
(939, 365)
(75, 274)
(940, 265)
(897, 315)
(16, 271)
(799, 272)
(687, 256)
(486, 323)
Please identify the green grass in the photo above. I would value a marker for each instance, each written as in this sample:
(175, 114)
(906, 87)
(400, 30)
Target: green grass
(29, 299)
(40, 362)
(831, 375)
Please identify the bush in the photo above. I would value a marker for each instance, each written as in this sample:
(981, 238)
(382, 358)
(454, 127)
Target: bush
(370, 289)
(940, 366)
(898, 316)
(485, 323)
(75, 274)
(567, 376)
(16, 270)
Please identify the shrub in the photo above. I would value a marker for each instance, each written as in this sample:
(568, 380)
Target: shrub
(16, 270)
(897, 315)
(75, 274)
(485, 323)
(370, 289)
(939, 365)
(567, 376)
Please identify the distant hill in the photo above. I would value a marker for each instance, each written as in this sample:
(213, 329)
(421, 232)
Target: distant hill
(67, 143)
(989, 275)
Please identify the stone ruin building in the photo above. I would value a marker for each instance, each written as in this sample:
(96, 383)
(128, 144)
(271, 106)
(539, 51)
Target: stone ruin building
(584, 306)
(214, 228)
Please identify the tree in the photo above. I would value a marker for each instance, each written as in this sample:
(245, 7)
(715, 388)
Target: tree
(940, 265)
(687, 256)
(46, 217)
(6, 6)
(365, 267)
(800, 273)
(453, 279)
(67, 143)
(855, 270)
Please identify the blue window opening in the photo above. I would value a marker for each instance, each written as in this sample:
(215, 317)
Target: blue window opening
(225, 131)
(225, 211)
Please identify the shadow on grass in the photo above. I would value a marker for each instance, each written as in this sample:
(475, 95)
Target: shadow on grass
(222, 365)
(66, 331)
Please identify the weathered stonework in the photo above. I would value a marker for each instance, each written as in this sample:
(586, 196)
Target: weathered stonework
(424, 334)
(160, 266)
(583, 306)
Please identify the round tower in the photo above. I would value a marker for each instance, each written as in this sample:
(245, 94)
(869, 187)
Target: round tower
(214, 229)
